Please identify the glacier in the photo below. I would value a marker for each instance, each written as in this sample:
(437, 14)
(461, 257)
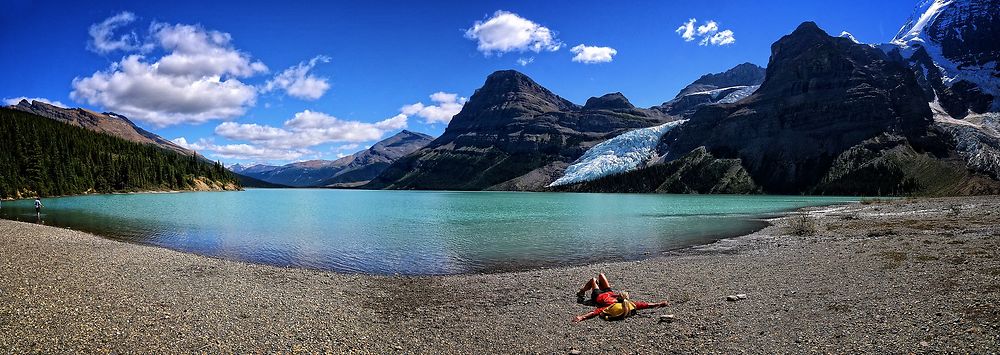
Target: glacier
(739, 94)
(620, 154)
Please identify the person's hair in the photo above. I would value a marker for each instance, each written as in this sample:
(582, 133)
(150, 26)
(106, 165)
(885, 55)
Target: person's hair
(623, 296)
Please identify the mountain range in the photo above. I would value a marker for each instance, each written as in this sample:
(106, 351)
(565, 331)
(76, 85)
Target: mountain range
(350, 171)
(919, 114)
(514, 134)
(828, 115)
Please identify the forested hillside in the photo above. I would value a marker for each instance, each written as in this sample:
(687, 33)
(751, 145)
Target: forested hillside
(39, 156)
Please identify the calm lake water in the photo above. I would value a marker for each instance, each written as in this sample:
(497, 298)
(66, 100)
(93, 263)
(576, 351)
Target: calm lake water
(413, 232)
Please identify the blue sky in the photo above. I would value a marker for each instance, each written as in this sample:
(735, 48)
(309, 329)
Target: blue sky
(278, 82)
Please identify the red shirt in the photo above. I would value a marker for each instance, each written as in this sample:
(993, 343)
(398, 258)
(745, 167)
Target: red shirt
(607, 299)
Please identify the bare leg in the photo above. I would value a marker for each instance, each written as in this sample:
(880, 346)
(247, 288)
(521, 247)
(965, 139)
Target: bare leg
(602, 282)
(591, 284)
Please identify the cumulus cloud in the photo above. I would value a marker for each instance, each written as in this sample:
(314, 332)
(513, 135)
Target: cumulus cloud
(444, 107)
(525, 61)
(507, 32)
(352, 146)
(687, 30)
(298, 82)
(242, 150)
(592, 54)
(197, 80)
(309, 128)
(15, 100)
(708, 28)
(709, 33)
(103, 40)
(720, 39)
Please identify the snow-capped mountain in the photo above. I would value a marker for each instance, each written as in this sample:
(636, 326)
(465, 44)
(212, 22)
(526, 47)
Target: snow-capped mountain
(620, 154)
(739, 94)
(954, 45)
(726, 87)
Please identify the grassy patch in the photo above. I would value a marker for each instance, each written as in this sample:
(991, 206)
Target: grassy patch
(803, 225)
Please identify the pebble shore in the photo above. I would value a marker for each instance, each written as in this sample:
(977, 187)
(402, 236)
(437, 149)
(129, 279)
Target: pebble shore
(903, 276)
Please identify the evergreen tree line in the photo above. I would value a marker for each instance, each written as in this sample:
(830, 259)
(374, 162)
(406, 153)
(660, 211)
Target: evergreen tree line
(43, 157)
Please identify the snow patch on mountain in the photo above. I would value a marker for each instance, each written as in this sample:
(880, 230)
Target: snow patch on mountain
(849, 36)
(913, 35)
(739, 94)
(925, 14)
(620, 154)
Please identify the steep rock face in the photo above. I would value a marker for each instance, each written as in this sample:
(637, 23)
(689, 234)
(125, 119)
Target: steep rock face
(953, 46)
(893, 165)
(821, 96)
(726, 87)
(108, 122)
(513, 134)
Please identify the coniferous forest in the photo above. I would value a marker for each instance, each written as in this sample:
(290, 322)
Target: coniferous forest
(39, 156)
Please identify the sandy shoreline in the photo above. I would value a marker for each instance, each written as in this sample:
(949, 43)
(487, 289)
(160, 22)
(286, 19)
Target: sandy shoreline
(903, 276)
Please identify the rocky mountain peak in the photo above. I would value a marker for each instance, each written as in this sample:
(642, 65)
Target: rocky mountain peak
(612, 101)
(746, 74)
(506, 95)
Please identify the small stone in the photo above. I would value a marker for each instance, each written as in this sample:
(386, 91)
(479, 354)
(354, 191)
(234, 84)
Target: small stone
(397, 347)
(732, 298)
(575, 352)
(667, 318)
(925, 344)
(741, 296)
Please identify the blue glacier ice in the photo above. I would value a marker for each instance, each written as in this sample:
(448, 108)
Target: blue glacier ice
(617, 155)
(739, 94)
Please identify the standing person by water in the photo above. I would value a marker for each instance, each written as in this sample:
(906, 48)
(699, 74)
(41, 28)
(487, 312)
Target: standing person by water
(38, 206)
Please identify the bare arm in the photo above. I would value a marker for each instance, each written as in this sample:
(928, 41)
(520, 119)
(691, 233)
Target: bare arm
(587, 316)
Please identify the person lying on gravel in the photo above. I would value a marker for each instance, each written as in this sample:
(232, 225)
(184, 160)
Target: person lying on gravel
(611, 304)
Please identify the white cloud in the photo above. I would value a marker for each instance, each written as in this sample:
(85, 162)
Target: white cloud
(525, 61)
(242, 151)
(508, 32)
(687, 30)
(196, 81)
(309, 128)
(593, 54)
(199, 52)
(445, 106)
(709, 33)
(15, 100)
(352, 146)
(298, 82)
(707, 28)
(102, 38)
(721, 39)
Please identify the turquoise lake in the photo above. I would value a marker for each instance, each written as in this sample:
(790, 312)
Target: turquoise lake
(413, 232)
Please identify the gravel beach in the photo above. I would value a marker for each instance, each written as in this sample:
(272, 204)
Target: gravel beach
(913, 275)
